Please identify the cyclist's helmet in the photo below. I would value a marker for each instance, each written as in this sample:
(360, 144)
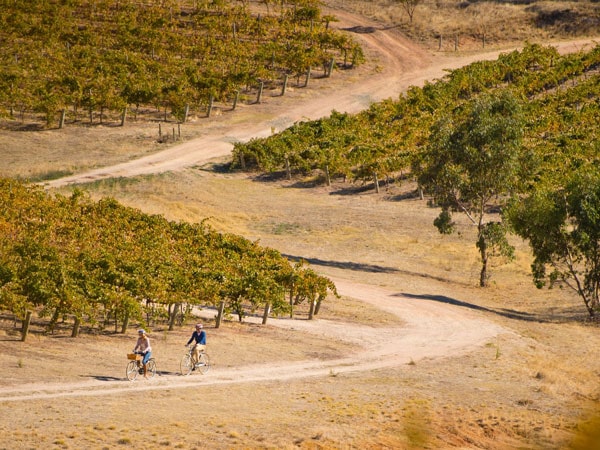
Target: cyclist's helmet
(142, 331)
(199, 325)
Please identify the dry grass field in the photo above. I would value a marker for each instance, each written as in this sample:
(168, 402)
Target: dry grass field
(533, 386)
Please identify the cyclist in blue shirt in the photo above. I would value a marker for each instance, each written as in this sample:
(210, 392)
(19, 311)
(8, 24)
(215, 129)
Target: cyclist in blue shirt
(199, 340)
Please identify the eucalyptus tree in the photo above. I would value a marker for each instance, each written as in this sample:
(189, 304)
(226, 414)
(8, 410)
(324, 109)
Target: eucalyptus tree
(562, 225)
(472, 164)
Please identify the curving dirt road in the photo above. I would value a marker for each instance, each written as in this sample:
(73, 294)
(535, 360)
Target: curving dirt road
(431, 330)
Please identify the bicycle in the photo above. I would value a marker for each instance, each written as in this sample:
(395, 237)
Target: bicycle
(187, 366)
(135, 366)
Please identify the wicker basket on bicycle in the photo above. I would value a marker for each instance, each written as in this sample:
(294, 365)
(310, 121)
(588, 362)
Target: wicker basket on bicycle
(134, 356)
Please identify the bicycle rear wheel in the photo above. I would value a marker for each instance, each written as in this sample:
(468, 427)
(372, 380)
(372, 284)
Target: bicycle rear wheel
(151, 368)
(186, 365)
(132, 370)
(203, 364)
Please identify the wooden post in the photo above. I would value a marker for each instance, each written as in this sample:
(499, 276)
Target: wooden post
(61, 122)
(186, 113)
(220, 314)
(174, 139)
(124, 116)
(327, 177)
(376, 182)
(440, 44)
(25, 327)
(266, 313)
(330, 69)
(307, 77)
(285, 82)
(159, 131)
(178, 131)
(456, 42)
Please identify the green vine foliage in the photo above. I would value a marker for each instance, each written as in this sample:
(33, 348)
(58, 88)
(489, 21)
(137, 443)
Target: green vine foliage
(106, 55)
(71, 256)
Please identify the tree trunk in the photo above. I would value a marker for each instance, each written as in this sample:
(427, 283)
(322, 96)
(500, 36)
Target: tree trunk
(288, 171)
(376, 182)
(285, 82)
(124, 116)
(484, 262)
(76, 325)
(318, 306)
(173, 316)
(211, 100)
(292, 302)
(125, 323)
(235, 100)
(266, 313)
(53, 321)
(25, 328)
(311, 311)
(260, 91)
(220, 314)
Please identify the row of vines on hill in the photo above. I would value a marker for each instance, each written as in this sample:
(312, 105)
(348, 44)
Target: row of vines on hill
(492, 136)
(385, 140)
(170, 54)
(101, 262)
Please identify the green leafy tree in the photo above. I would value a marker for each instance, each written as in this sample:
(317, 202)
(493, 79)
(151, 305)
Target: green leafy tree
(472, 163)
(562, 226)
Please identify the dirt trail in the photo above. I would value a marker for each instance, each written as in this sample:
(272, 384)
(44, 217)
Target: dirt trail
(431, 330)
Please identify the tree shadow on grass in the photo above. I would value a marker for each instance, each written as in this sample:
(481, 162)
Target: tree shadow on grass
(566, 315)
(348, 265)
(361, 267)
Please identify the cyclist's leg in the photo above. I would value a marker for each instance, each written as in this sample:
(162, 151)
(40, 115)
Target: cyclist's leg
(147, 356)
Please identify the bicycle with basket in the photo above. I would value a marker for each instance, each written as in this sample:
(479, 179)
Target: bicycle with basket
(135, 366)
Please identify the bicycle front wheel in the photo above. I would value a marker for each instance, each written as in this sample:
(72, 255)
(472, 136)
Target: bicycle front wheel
(132, 370)
(151, 368)
(186, 365)
(203, 364)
